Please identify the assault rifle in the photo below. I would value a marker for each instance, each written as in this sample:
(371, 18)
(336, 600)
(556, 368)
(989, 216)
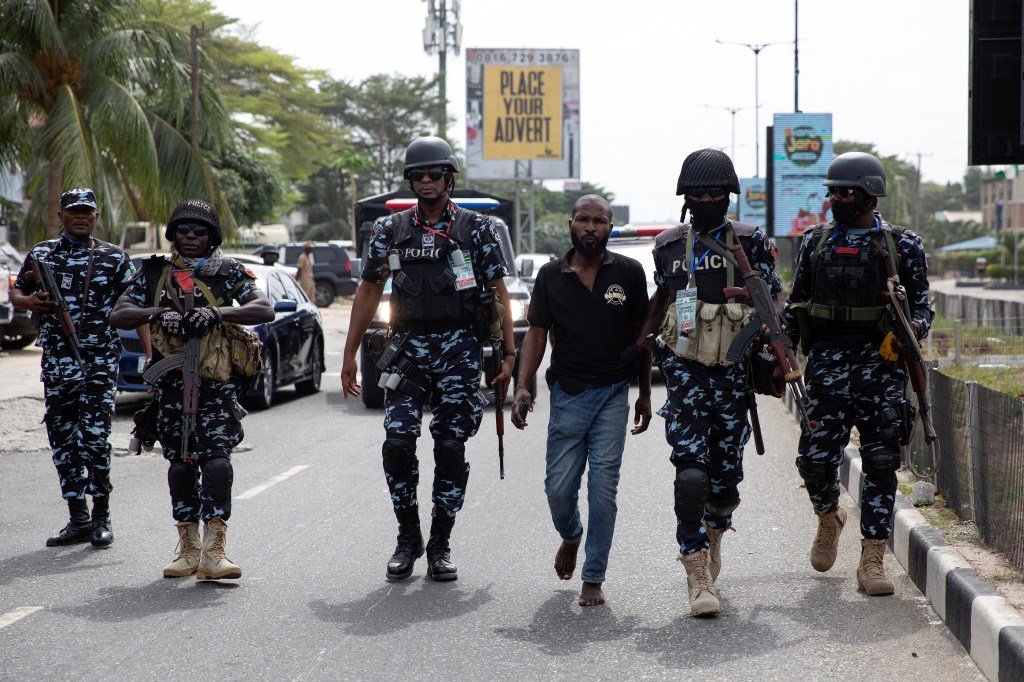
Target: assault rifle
(188, 360)
(44, 277)
(765, 317)
(910, 349)
(497, 343)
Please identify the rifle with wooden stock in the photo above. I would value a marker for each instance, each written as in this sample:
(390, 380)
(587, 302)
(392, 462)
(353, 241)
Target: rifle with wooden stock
(44, 278)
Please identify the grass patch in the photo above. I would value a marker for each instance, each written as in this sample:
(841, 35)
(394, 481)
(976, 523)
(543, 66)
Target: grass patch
(1008, 380)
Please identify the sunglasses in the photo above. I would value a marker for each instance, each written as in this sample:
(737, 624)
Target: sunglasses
(197, 230)
(713, 192)
(434, 174)
(841, 192)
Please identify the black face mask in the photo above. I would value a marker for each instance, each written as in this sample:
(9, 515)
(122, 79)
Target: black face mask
(845, 213)
(707, 215)
(589, 252)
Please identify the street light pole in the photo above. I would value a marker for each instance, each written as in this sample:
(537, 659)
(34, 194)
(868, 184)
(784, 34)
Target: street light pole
(438, 35)
(756, 49)
(731, 110)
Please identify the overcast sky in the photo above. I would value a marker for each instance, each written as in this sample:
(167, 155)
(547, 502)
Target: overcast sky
(893, 73)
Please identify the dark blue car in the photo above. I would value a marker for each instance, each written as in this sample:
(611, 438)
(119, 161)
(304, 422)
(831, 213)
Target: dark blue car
(293, 344)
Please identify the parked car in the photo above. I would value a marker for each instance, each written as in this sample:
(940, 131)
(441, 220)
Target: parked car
(20, 329)
(293, 344)
(519, 298)
(332, 269)
(528, 264)
(249, 259)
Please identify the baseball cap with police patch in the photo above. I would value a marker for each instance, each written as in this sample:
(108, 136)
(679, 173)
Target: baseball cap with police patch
(82, 196)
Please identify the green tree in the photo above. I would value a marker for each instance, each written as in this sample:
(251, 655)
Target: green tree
(91, 94)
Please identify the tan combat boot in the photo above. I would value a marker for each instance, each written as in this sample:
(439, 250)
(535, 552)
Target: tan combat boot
(715, 551)
(703, 594)
(214, 563)
(870, 575)
(826, 541)
(188, 551)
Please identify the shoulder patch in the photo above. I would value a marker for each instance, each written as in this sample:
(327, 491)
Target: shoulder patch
(249, 272)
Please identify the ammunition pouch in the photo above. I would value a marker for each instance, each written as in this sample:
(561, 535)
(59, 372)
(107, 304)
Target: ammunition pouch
(229, 349)
(669, 329)
(717, 325)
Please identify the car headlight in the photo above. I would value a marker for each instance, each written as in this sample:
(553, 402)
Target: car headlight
(384, 311)
(518, 309)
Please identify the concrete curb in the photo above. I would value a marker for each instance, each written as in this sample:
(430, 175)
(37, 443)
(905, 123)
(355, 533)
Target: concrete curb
(989, 628)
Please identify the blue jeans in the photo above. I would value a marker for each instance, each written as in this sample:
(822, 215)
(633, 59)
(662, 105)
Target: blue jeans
(587, 428)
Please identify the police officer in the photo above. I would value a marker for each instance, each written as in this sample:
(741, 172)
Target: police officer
(199, 479)
(438, 256)
(706, 410)
(269, 254)
(834, 309)
(79, 371)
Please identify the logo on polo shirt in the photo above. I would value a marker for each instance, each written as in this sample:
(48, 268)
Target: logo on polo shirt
(615, 295)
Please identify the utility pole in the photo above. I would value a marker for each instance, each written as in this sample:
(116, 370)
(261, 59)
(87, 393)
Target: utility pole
(916, 225)
(796, 56)
(438, 36)
(731, 110)
(196, 30)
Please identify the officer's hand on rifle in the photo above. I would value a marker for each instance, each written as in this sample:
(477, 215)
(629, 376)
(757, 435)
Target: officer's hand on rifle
(39, 302)
(521, 405)
(198, 322)
(169, 321)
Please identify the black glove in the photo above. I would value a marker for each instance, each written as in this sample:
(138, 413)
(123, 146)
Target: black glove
(169, 321)
(199, 321)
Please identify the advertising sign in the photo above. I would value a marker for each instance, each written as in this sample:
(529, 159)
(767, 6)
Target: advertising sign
(753, 201)
(522, 114)
(802, 152)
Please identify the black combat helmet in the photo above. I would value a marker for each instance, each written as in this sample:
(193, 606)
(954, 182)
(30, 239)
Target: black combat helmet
(707, 168)
(857, 169)
(195, 212)
(429, 151)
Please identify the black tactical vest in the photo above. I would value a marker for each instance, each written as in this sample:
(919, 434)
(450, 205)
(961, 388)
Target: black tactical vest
(423, 293)
(845, 309)
(712, 273)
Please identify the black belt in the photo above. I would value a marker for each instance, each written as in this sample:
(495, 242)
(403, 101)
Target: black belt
(434, 326)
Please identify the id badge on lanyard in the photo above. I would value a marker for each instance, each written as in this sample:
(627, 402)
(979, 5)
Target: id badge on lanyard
(462, 266)
(686, 309)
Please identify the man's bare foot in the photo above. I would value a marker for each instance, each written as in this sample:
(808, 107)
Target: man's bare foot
(591, 594)
(565, 559)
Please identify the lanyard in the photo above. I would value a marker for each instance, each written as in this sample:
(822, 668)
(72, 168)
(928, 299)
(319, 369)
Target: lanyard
(443, 232)
(694, 262)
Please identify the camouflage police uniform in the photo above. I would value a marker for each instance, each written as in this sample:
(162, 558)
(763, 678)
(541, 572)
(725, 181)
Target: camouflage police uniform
(80, 399)
(218, 429)
(849, 383)
(441, 358)
(706, 410)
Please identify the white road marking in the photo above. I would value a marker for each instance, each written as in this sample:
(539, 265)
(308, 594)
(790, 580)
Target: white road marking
(253, 492)
(12, 617)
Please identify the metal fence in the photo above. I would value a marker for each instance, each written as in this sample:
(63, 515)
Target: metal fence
(997, 341)
(981, 459)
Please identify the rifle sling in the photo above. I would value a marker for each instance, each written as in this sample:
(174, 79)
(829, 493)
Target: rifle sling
(716, 246)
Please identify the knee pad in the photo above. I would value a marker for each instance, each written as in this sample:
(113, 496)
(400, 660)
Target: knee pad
(810, 471)
(399, 453)
(722, 507)
(450, 457)
(884, 426)
(181, 476)
(218, 476)
(692, 488)
(880, 463)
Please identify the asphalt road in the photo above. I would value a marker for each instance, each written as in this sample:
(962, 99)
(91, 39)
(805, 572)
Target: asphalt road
(312, 529)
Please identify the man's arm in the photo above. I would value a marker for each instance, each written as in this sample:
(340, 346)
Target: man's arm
(128, 314)
(530, 355)
(256, 310)
(364, 305)
(508, 340)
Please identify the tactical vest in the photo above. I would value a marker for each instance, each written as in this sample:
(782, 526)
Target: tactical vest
(423, 293)
(845, 309)
(228, 349)
(718, 320)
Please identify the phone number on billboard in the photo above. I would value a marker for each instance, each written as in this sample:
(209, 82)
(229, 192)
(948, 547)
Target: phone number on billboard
(520, 57)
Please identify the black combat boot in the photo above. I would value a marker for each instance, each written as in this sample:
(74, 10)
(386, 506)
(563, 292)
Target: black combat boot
(102, 535)
(79, 528)
(439, 558)
(410, 545)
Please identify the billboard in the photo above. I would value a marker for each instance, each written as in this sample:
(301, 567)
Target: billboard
(801, 154)
(522, 114)
(753, 201)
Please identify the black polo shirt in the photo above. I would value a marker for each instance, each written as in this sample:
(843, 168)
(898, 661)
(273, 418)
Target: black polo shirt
(590, 330)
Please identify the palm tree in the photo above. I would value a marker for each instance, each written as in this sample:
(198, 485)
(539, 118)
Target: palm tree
(91, 95)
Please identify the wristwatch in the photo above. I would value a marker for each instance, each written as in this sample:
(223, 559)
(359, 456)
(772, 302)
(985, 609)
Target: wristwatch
(506, 353)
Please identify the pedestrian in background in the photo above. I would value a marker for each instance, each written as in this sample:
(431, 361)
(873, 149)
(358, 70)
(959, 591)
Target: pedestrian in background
(305, 263)
(835, 312)
(439, 257)
(90, 275)
(199, 480)
(593, 303)
(705, 413)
